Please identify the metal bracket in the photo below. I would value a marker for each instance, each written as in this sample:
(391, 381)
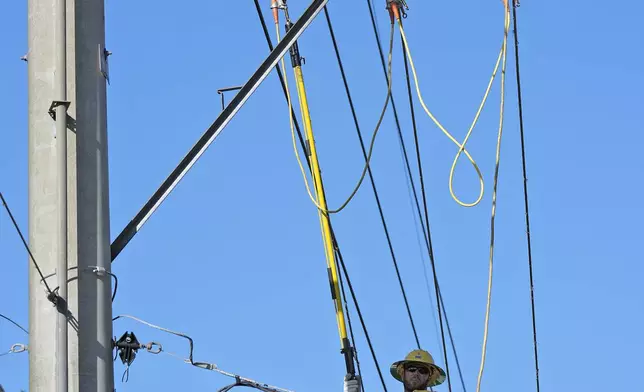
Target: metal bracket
(103, 64)
(221, 92)
(54, 105)
(100, 271)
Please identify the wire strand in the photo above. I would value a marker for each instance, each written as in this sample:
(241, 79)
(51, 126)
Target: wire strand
(24, 242)
(362, 322)
(525, 194)
(494, 191)
(189, 360)
(14, 323)
(424, 195)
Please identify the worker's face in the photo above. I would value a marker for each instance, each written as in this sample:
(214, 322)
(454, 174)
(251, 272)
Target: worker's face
(416, 377)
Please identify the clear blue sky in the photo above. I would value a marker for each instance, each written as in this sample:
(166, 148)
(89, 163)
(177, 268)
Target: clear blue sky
(234, 257)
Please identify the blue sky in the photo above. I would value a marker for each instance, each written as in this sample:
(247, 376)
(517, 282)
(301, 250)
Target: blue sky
(234, 257)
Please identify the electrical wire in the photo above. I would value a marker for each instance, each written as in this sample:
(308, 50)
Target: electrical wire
(364, 152)
(93, 269)
(374, 24)
(362, 322)
(525, 193)
(335, 242)
(365, 168)
(24, 242)
(430, 248)
(348, 314)
(371, 144)
(189, 360)
(14, 323)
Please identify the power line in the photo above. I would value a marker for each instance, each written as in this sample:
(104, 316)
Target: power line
(335, 243)
(14, 323)
(24, 242)
(203, 365)
(525, 192)
(377, 35)
(348, 314)
(382, 217)
(362, 322)
(428, 235)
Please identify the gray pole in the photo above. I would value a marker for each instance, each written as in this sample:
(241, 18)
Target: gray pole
(48, 237)
(96, 372)
(61, 158)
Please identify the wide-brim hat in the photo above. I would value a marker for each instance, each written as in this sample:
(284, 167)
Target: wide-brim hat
(421, 358)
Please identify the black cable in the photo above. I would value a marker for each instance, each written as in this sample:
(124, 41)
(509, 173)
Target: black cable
(24, 242)
(335, 243)
(428, 235)
(14, 323)
(242, 383)
(364, 152)
(390, 96)
(348, 314)
(377, 35)
(269, 41)
(525, 193)
(364, 327)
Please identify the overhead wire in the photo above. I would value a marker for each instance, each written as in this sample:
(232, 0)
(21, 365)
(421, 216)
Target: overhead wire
(190, 360)
(24, 242)
(335, 242)
(430, 248)
(369, 154)
(525, 191)
(502, 56)
(14, 323)
(366, 157)
(374, 24)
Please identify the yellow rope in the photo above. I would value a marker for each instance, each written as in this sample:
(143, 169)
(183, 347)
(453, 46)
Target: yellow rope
(461, 147)
(371, 146)
(496, 178)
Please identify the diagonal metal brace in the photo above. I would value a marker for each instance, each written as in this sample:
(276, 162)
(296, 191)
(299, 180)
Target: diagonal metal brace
(215, 129)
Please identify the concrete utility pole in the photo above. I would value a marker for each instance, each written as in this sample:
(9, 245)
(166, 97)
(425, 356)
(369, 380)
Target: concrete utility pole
(89, 363)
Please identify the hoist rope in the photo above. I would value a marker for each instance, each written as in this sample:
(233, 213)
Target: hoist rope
(430, 248)
(502, 57)
(374, 24)
(461, 147)
(371, 144)
(496, 178)
(525, 193)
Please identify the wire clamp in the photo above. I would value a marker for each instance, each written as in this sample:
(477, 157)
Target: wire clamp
(154, 347)
(55, 104)
(100, 271)
(18, 348)
(402, 7)
(279, 4)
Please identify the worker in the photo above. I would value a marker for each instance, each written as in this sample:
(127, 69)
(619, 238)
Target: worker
(417, 371)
